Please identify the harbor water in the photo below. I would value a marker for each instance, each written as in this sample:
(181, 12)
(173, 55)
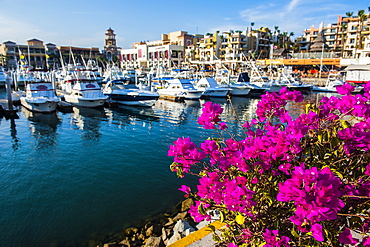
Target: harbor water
(67, 178)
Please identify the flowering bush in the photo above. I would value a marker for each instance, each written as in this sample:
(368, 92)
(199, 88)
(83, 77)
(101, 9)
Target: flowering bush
(286, 182)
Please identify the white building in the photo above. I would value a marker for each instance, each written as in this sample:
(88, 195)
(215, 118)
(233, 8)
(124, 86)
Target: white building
(144, 56)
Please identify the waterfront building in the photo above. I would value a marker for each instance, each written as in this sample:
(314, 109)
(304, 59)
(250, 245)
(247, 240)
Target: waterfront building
(167, 52)
(33, 55)
(71, 54)
(144, 56)
(347, 38)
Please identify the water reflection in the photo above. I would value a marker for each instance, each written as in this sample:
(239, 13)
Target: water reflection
(131, 115)
(13, 134)
(43, 128)
(297, 108)
(177, 112)
(89, 121)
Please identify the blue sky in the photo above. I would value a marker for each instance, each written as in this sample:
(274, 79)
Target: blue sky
(84, 22)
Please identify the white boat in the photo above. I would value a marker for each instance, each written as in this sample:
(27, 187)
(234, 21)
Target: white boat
(123, 92)
(239, 89)
(224, 79)
(83, 92)
(210, 88)
(276, 86)
(357, 74)
(255, 90)
(331, 84)
(179, 89)
(40, 97)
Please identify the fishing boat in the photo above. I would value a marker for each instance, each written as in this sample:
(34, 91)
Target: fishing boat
(124, 92)
(82, 91)
(333, 82)
(40, 97)
(225, 80)
(210, 88)
(179, 89)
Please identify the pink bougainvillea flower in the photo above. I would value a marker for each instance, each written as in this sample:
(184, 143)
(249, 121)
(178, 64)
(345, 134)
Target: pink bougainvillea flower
(184, 188)
(367, 171)
(317, 233)
(345, 89)
(345, 237)
(210, 116)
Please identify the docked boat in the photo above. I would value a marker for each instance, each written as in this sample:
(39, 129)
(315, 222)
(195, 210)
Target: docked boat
(224, 79)
(255, 90)
(291, 86)
(210, 88)
(331, 84)
(83, 92)
(40, 97)
(179, 89)
(123, 92)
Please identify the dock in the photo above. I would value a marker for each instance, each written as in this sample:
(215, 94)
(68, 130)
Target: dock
(9, 111)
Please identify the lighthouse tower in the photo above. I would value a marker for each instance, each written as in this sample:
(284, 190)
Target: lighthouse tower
(110, 48)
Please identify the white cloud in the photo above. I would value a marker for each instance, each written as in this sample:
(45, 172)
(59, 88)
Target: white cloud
(292, 5)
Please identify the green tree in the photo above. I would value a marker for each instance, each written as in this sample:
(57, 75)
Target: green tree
(361, 18)
(349, 14)
(343, 37)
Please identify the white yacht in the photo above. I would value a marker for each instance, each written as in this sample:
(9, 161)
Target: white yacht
(210, 88)
(83, 92)
(123, 92)
(40, 97)
(179, 89)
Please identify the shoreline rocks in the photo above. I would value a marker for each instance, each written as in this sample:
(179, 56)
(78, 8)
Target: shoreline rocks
(158, 231)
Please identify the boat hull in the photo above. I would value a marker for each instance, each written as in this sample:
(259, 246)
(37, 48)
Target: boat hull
(215, 93)
(85, 102)
(39, 106)
(164, 93)
(239, 91)
(133, 100)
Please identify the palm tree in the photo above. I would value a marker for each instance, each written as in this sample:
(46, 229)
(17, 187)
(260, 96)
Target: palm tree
(343, 37)
(349, 14)
(361, 18)
(252, 24)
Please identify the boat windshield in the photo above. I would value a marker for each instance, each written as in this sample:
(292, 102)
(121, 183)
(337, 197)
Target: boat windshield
(187, 85)
(47, 94)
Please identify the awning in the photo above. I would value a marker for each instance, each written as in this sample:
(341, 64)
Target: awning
(357, 67)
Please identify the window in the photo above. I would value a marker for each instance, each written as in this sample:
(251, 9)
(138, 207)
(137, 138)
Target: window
(332, 36)
(332, 30)
(352, 41)
(315, 33)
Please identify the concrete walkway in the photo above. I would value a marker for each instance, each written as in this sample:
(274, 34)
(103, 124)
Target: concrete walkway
(201, 238)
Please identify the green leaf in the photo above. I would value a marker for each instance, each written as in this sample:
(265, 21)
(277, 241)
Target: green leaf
(222, 216)
(294, 232)
(201, 209)
(212, 227)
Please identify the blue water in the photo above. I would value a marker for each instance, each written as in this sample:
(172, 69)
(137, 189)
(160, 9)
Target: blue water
(66, 178)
